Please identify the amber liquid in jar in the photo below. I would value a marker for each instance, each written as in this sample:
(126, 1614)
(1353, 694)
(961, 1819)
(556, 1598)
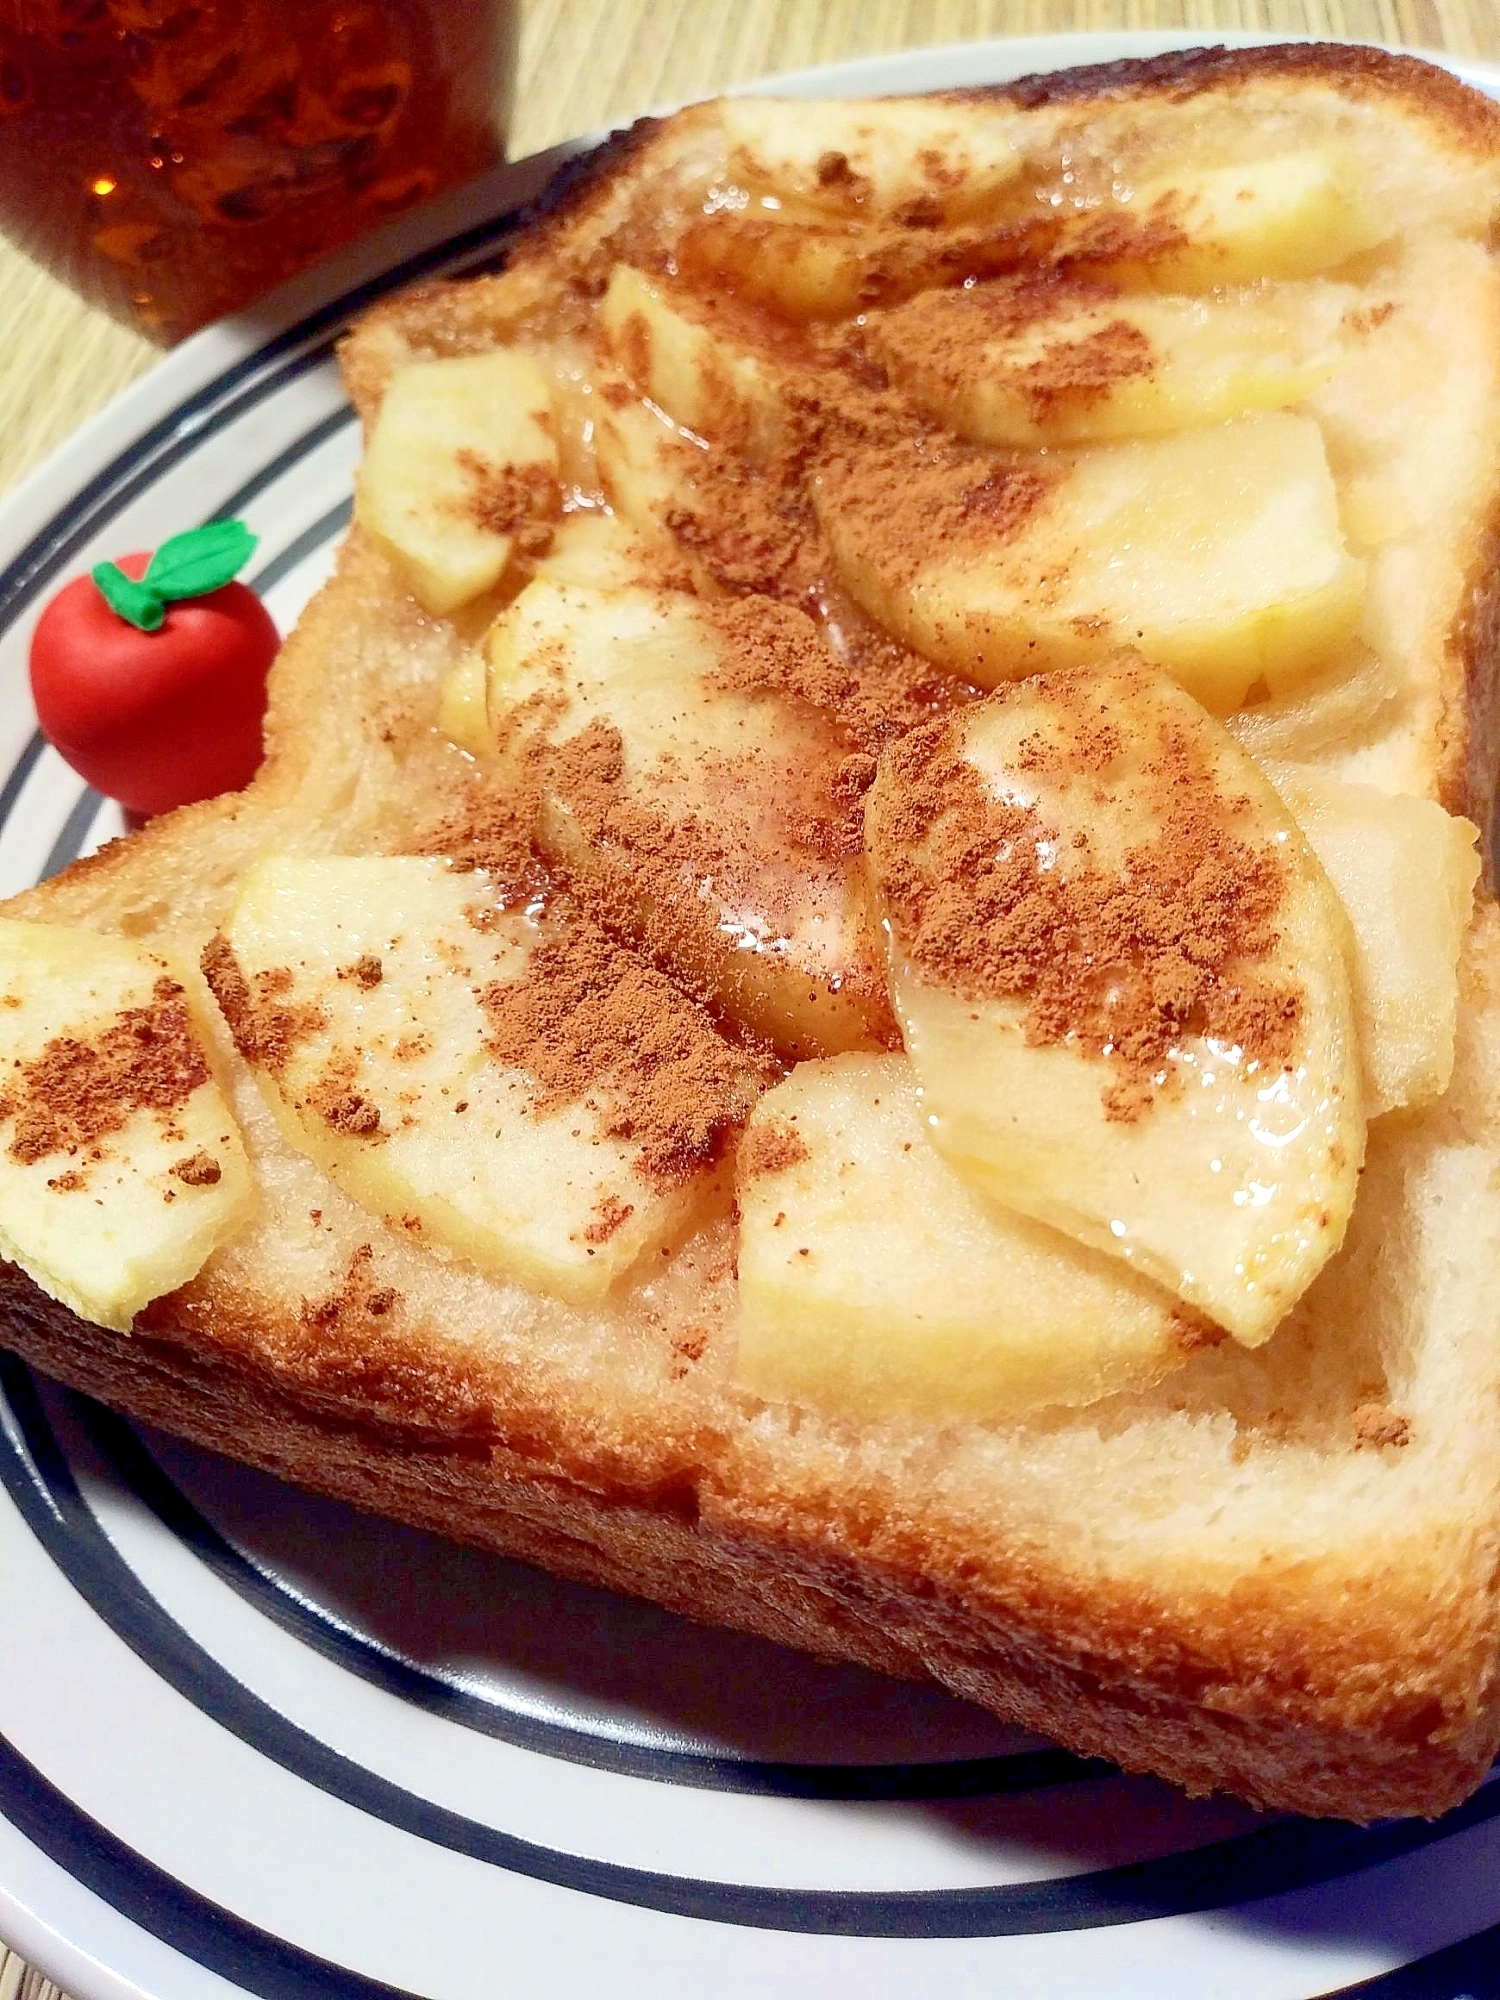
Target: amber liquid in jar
(172, 159)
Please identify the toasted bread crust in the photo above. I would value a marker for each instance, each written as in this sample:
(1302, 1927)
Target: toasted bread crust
(1361, 1691)
(1355, 69)
(1207, 1708)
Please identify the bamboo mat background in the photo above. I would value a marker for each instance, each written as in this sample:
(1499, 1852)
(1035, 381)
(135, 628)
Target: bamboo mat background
(586, 63)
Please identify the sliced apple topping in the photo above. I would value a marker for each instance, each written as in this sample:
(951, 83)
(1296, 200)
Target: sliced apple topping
(682, 776)
(691, 369)
(810, 271)
(461, 713)
(855, 204)
(1054, 360)
(596, 551)
(460, 471)
(1122, 978)
(519, 1089)
(911, 161)
(1405, 872)
(875, 1282)
(1284, 217)
(123, 1168)
(1216, 553)
(645, 462)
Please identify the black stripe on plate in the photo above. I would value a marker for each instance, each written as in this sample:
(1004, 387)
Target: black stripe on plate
(307, 543)
(20, 771)
(268, 1966)
(1469, 1970)
(235, 503)
(72, 833)
(975, 1777)
(252, 1959)
(1287, 1855)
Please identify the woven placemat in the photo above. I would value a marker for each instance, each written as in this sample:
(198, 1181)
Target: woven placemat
(20, 1981)
(582, 64)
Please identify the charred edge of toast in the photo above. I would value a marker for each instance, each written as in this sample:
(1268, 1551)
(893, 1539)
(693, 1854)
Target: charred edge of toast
(578, 180)
(1356, 68)
(424, 1453)
(523, 235)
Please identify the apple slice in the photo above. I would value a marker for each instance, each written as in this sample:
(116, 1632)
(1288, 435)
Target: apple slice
(1216, 553)
(691, 794)
(123, 1167)
(461, 463)
(1123, 982)
(692, 370)
(597, 551)
(874, 1282)
(1283, 217)
(907, 160)
(645, 462)
(462, 715)
(1405, 872)
(808, 271)
(1057, 361)
(593, 550)
(854, 204)
(517, 1088)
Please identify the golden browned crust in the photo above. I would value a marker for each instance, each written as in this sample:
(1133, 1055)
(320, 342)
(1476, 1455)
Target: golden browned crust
(1357, 71)
(1101, 1677)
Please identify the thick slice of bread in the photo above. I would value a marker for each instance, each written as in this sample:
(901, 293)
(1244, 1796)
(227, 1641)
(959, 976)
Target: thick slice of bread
(1274, 1572)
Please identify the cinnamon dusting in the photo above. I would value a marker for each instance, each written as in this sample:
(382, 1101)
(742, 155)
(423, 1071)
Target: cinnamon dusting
(267, 1029)
(1127, 960)
(81, 1089)
(683, 861)
(509, 499)
(937, 341)
(594, 1025)
(870, 688)
(342, 1107)
(769, 1147)
(366, 971)
(485, 831)
(1379, 1428)
(610, 1214)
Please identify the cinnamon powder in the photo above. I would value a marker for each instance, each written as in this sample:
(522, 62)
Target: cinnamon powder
(770, 1147)
(866, 685)
(769, 832)
(937, 341)
(593, 1024)
(504, 500)
(80, 1089)
(1128, 960)
(267, 1028)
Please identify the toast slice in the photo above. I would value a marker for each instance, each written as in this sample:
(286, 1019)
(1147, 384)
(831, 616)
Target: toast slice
(1273, 1569)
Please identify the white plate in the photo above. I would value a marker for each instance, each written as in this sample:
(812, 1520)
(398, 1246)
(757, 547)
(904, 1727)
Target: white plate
(252, 1742)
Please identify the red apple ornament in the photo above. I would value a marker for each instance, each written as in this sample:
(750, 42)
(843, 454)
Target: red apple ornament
(149, 675)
